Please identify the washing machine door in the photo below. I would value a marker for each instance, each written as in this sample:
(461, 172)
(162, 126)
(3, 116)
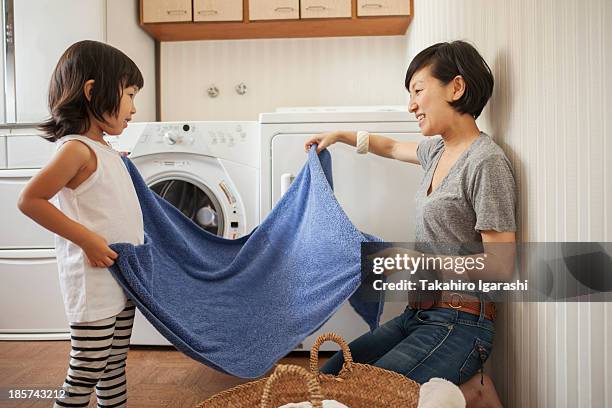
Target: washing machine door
(199, 187)
(194, 199)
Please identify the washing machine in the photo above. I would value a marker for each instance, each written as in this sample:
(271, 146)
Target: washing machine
(208, 170)
(376, 193)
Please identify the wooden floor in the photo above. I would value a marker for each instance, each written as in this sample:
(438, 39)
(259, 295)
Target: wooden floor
(156, 376)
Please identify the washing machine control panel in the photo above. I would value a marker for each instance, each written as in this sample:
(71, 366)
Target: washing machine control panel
(235, 141)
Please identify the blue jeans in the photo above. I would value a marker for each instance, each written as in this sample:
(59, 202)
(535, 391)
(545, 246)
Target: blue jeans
(422, 344)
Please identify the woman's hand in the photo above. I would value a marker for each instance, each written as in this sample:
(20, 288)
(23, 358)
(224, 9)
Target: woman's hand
(323, 140)
(97, 251)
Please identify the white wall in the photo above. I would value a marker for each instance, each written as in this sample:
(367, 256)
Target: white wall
(279, 72)
(550, 111)
(123, 32)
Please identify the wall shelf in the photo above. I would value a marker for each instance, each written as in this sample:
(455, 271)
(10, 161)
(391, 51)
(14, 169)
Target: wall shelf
(298, 28)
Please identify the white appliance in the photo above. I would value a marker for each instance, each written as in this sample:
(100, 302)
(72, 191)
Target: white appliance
(209, 170)
(376, 193)
(30, 297)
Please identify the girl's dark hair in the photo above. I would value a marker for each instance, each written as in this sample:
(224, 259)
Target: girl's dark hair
(447, 60)
(111, 71)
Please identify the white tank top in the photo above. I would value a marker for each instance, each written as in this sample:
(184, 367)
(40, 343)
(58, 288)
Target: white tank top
(105, 203)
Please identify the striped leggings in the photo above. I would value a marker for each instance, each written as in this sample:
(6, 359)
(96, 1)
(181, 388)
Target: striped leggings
(98, 359)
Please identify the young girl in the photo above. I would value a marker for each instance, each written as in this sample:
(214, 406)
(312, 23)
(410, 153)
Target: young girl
(91, 94)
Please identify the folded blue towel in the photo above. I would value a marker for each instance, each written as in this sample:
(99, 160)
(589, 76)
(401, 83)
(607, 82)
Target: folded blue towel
(241, 305)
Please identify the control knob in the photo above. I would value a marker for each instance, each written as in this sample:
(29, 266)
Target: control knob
(171, 138)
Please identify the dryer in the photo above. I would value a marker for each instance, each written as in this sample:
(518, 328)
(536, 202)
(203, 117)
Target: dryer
(376, 193)
(208, 170)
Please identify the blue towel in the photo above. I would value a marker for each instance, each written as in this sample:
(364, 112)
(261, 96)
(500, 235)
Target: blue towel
(241, 305)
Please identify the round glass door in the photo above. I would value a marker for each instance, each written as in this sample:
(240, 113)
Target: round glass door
(195, 201)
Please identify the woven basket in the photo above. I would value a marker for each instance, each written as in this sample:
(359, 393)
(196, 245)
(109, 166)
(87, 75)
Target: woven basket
(357, 386)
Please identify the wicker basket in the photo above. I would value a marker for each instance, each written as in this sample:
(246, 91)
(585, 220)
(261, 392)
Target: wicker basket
(280, 374)
(357, 386)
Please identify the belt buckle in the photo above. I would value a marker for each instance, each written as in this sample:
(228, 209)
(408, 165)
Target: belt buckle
(459, 298)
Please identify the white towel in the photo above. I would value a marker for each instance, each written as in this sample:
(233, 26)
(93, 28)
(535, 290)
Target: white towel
(440, 393)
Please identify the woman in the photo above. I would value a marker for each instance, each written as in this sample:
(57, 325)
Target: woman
(467, 197)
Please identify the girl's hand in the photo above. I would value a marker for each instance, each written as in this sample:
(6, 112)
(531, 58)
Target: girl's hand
(323, 140)
(97, 251)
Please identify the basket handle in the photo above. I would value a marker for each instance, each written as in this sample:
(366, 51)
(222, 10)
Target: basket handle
(336, 338)
(314, 390)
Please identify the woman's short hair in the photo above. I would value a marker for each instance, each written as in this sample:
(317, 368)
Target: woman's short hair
(447, 60)
(111, 70)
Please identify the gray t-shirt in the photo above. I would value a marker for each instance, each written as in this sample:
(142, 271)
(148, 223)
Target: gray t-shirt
(477, 194)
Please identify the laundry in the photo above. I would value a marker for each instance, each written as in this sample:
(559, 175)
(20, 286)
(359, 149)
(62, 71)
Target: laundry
(440, 393)
(241, 305)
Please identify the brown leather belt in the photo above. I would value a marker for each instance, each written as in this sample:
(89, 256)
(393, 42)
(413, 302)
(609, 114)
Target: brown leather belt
(458, 301)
